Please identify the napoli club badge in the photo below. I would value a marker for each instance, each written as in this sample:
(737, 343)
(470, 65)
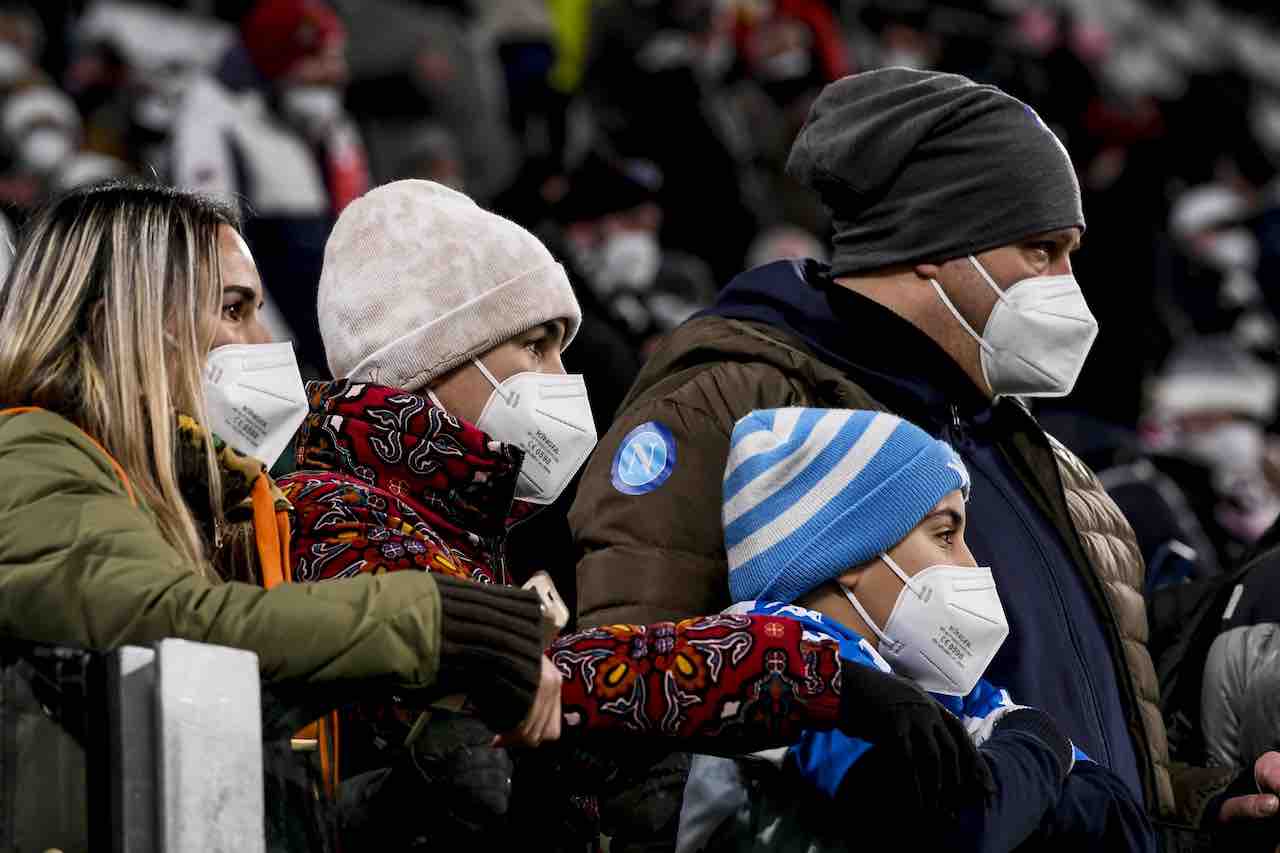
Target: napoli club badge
(644, 460)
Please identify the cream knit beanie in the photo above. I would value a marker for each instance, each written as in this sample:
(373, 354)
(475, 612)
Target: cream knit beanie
(418, 279)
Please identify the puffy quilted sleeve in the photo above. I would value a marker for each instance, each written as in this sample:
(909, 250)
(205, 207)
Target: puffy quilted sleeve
(82, 563)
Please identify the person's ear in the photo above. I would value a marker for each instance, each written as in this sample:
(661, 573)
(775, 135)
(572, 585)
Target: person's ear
(927, 271)
(850, 579)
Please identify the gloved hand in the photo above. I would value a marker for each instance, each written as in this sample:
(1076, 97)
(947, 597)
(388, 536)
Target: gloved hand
(943, 769)
(980, 728)
(1041, 726)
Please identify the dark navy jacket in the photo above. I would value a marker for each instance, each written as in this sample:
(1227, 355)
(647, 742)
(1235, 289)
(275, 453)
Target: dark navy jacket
(1063, 653)
(1032, 803)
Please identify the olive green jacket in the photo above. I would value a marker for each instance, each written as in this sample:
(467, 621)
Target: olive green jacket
(82, 562)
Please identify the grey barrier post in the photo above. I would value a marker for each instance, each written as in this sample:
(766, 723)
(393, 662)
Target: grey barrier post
(187, 772)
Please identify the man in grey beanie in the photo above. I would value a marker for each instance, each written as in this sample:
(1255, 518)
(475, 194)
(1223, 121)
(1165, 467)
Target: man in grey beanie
(949, 296)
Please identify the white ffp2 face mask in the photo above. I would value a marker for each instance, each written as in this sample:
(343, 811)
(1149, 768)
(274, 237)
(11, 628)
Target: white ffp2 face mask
(548, 416)
(254, 397)
(315, 109)
(1037, 337)
(944, 629)
(44, 149)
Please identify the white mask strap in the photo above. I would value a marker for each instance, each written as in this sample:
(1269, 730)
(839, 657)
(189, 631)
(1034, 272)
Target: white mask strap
(497, 386)
(897, 570)
(863, 613)
(956, 313)
(431, 395)
(987, 277)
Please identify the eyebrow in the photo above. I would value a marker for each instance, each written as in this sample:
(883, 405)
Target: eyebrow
(243, 290)
(950, 514)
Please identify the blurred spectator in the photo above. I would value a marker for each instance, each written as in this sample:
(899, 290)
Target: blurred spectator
(281, 143)
(131, 65)
(42, 130)
(21, 44)
(1213, 287)
(613, 225)
(86, 167)
(792, 48)
(1206, 430)
(651, 97)
(434, 155)
(1239, 696)
(784, 243)
(416, 66)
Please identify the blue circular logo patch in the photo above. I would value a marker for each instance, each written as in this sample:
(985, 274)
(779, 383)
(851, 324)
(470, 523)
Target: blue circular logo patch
(644, 460)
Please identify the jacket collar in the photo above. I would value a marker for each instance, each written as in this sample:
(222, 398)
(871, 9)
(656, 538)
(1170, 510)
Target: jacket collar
(888, 356)
(405, 444)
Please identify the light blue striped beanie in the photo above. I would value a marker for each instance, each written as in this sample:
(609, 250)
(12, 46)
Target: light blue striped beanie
(812, 493)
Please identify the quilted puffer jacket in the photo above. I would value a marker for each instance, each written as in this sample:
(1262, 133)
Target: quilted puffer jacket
(1240, 693)
(1065, 560)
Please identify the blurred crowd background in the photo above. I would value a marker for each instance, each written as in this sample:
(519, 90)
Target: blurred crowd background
(645, 140)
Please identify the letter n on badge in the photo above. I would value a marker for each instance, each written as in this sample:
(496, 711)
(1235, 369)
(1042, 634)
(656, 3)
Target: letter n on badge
(644, 460)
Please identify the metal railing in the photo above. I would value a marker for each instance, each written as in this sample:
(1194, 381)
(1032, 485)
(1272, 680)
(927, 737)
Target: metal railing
(142, 750)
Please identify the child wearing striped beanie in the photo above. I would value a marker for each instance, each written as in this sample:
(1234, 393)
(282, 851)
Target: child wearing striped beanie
(852, 523)
(861, 516)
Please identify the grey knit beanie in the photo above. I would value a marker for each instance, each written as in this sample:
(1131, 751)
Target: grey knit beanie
(925, 166)
(419, 279)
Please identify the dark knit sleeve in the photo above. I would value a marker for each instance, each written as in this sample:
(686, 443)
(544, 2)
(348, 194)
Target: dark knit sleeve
(720, 682)
(1026, 763)
(490, 648)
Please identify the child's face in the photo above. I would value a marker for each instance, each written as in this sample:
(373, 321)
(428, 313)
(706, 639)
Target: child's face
(937, 540)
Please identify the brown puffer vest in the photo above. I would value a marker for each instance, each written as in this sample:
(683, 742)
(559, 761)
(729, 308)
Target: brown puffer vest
(1112, 549)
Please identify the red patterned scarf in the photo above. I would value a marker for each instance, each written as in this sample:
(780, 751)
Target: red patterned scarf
(387, 480)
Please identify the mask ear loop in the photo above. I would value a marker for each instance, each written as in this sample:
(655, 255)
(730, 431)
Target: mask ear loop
(497, 386)
(955, 312)
(986, 276)
(897, 570)
(857, 605)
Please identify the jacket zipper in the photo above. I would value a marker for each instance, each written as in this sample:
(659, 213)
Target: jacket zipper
(961, 439)
(1143, 752)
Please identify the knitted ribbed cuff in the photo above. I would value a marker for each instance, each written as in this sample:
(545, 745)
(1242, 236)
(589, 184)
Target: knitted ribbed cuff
(1042, 727)
(490, 648)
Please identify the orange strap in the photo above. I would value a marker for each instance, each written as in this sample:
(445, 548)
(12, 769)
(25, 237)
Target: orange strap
(271, 530)
(115, 466)
(326, 728)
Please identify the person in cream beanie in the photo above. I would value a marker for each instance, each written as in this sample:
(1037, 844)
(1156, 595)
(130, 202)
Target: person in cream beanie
(418, 279)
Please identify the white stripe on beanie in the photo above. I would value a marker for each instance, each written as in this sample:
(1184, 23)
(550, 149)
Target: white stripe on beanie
(821, 435)
(784, 424)
(811, 502)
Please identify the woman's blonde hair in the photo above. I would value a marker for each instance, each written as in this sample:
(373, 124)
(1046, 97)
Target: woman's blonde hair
(107, 317)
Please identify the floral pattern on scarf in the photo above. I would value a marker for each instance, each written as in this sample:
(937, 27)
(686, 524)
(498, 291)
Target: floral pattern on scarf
(388, 481)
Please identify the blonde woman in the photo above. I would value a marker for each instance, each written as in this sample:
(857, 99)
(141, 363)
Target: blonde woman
(119, 518)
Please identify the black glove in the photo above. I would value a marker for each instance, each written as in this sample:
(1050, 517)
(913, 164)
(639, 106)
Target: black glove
(1041, 726)
(941, 767)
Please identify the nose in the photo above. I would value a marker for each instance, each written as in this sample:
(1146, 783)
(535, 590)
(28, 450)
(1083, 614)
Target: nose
(553, 364)
(258, 333)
